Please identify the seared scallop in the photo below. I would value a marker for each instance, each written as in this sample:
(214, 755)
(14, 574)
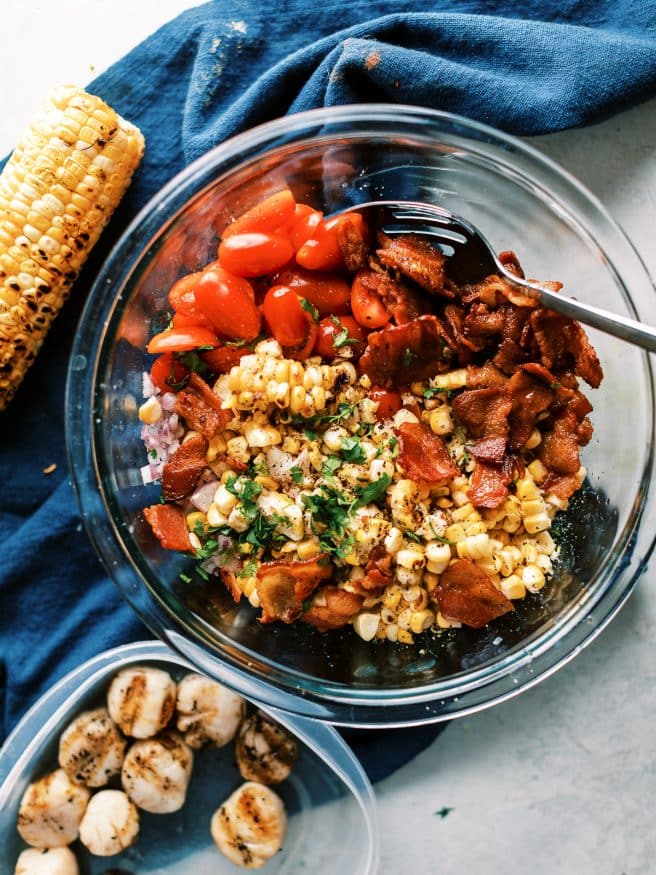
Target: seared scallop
(110, 823)
(265, 751)
(141, 700)
(51, 810)
(249, 828)
(156, 772)
(47, 861)
(208, 714)
(91, 749)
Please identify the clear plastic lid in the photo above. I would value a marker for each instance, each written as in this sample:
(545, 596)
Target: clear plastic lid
(329, 800)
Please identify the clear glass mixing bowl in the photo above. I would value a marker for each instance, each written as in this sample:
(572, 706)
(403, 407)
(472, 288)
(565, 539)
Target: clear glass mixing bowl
(332, 159)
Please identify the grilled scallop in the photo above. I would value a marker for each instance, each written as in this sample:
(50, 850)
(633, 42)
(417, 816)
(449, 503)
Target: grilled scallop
(48, 861)
(249, 828)
(51, 810)
(265, 751)
(156, 772)
(208, 713)
(141, 700)
(91, 749)
(110, 823)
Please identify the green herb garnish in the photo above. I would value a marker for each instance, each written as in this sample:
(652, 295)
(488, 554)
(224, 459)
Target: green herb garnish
(341, 337)
(330, 466)
(372, 491)
(353, 451)
(310, 308)
(297, 474)
(408, 357)
(249, 568)
(431, 391)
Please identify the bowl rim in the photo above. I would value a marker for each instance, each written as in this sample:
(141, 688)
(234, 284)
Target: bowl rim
(282, 687)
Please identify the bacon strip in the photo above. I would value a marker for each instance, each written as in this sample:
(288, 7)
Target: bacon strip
(283, 586)
(181, 473)
(200, 415)
(338, 609)
(417, 259)
(378, 571)
(489, 484)
(229, 580)
(398, 355)
(423, 455)
(530, 398)
(169, 526)
(467, 594)
(352, 242)
(401, 302)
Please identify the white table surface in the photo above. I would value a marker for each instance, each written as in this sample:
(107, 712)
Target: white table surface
(562, 779)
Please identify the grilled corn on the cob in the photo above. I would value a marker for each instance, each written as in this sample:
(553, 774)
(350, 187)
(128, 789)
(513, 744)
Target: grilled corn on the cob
(57, 192)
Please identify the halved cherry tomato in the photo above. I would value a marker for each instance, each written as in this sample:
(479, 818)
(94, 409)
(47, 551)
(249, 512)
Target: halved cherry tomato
(328, 292)
(286, 318)
(388, 402)
(223, 358)
(227, 301)
(167, 369)
(181, 340)
(305, 223)
(254, 254)
(304, 351)
(322, 251)
(367, 306)
(181, 320)
(182, 298)
(337, 333)
(269, 215)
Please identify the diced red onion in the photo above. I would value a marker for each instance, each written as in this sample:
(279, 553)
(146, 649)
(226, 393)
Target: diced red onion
(204, 495)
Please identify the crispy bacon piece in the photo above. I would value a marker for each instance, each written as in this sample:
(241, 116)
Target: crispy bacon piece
(229, 580)
(398, 355)
(466, 593)
(466, 346)
(510, 261)
(509, 356)
(562, 486)
(417, 259)
(489, 483)
(586, 362)
(378, 571)
(530, 398)
(283, 586)
(482, 322)
(559, 450)
(423, 455)
(200, 407)
(401, 302)
(169, 526)
(338, 609)
(352, 242)
(563, 342)
(182, 471)
(484, 412)
(491, 450)
(485, 377)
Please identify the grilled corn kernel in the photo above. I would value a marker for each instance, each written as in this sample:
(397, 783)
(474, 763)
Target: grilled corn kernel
(254, 599)
(237, 447)
(532, 577)
(531, 507)
(537, 523)
(403, 619)
(438, 556)
(308, 548)
(407, 577)
(537, 470)
(430, 581)
(348, 369)
(393, 541)
(380, 467)
(247, 586)
(392, 632)
(474, 547)
(312, 377)
(402, 416)
(318, 397)
(455, 533)
(215, 518)
(446, 622)
(261, 435)
(392, 596)
(526, 489)
(421, 620)
(411, 594)
(332, 438)
(513, 588)
(510, 558)
(451, 380)
(224, 500)
(196, 518)
(555, 501)
(405, 637)
(215, 447)
(237, 519)
(545, 543)
(150, 411)
(534, 439)
(440, 420)
(411, 558)
(366, 625)
(297, 399)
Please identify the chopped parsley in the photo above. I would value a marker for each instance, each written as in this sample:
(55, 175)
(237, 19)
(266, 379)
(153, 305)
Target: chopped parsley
(311, 423)
(353, 451)
(431, 391)
(330, 466)
(249, 344)
(310, 308)
(341, 336)
(372, 491)
(153, 454)
(444, 812)
(296, 474)
(394, 446)
(412, 536)
(192, 361)
(249, 568)
(184, 578)
(408, 357)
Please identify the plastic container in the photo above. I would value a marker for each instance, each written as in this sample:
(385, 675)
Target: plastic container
(335, 158)
(327, 796)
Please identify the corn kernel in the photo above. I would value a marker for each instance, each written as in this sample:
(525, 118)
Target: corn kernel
(513, 588)
(455, 533)
(224, 500)
(440, 420)
(451, 380)
(446, 622)
(392, 596)
(421, 620)
(215, 447)
(537, 523)
(532, 578)
(308, 548)
(318, 396)
(254, 599)
(247, 586)
(412, 559)
(281, 395)
(405, 637)
(526, 489)
(366, 625)
(534, 439)
(196, 518)
(215, 518)
(150, 411)
(537, 470)
(392, 632)
(430, 581)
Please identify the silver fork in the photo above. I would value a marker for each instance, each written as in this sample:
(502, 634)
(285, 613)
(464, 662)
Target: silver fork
(472, 258)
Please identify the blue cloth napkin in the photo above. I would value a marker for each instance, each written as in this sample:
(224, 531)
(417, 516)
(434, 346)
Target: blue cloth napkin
(526, 66)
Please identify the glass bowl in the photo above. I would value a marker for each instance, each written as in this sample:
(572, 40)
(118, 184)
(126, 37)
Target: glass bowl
(327, 792)
(335, 158)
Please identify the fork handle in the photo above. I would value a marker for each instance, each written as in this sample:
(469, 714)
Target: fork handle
(619, 326)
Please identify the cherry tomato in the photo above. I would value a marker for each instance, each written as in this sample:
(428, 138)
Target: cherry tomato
(337, 334)
(167, 369)
(328, 292)
(322, 251)
(269, 215)
(181, 320)
(227, 301)
(305, 350)
(181, 340)
(254, 254)
(223, 358)
(306, 221)
(367, 306)
(388, 402)
(286, 318)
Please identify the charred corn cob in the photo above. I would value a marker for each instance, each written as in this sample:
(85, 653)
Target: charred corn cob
(57, 192)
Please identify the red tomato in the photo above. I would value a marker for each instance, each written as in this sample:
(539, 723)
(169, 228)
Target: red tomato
(254, 254)
(181, 296)
(181, 340)
(337, 334)
(227, 301)
(322, 251)
(223, 358)
(167, 369)
(328, 292)
(181, 320)
(286, 318)
(269, 215)
(367, 306)
(388, 402)
(306, 221)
